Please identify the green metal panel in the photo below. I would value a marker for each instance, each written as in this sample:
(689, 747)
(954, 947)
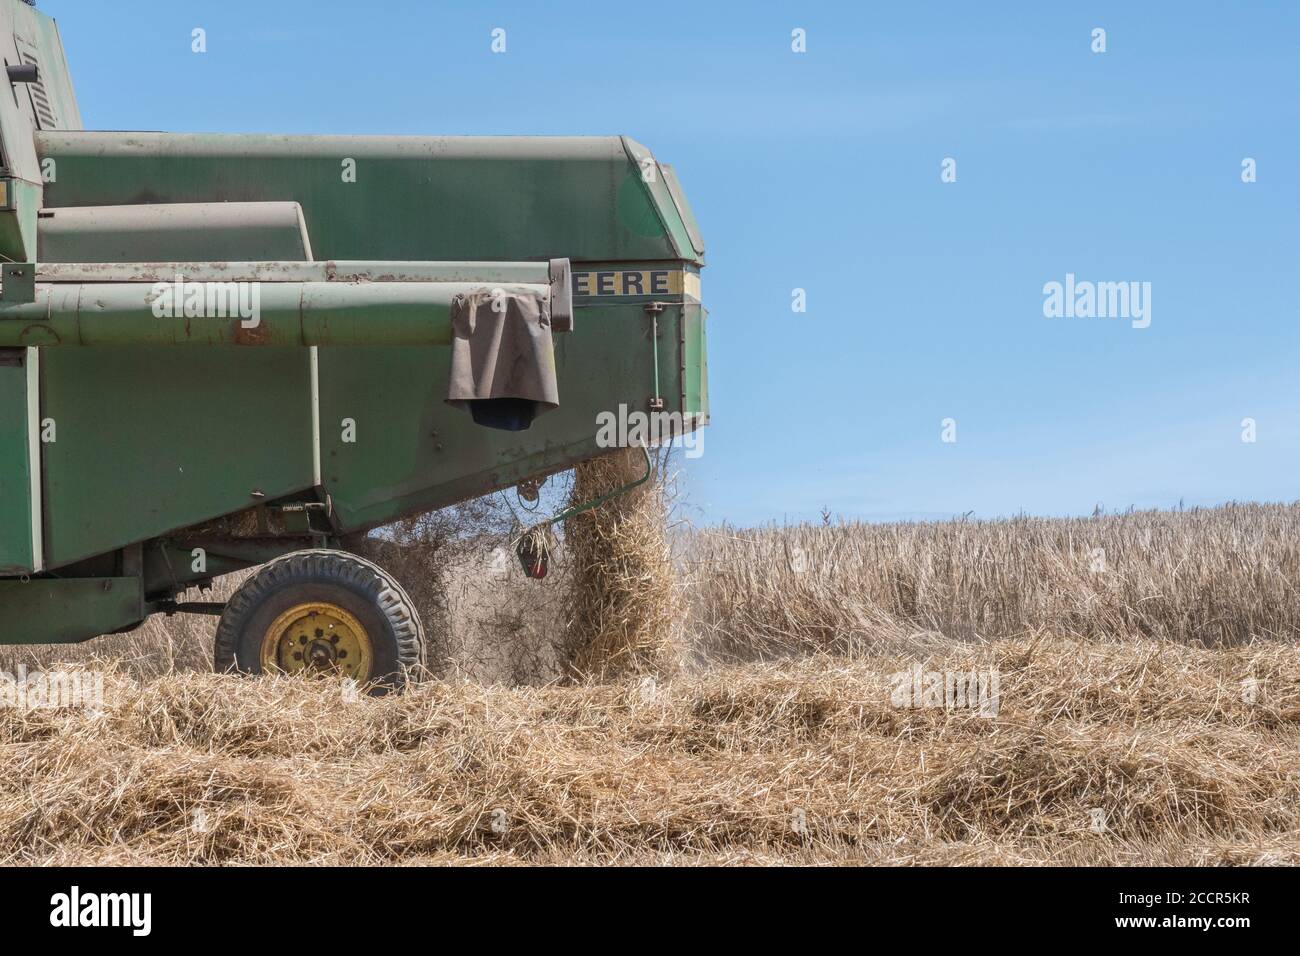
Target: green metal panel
(651, 182)
(471, 198)
(56, 81)
(695, 363)
(27, 36)
(56, 611)
(149, 440)
(16, 546)
(173, 232)
(683, 207)
(18, 219)
(16, 116)
(455, 198)
(413, 452)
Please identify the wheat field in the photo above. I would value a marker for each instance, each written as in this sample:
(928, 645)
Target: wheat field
(1146, 710)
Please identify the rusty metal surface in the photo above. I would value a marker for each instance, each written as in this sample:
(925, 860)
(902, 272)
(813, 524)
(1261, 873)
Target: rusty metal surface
(326, 271)
(230, 312)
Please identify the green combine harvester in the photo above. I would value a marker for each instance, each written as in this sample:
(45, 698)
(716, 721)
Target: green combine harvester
(222, 351)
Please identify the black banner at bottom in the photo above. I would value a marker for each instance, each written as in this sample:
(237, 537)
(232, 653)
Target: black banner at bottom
(333, 905)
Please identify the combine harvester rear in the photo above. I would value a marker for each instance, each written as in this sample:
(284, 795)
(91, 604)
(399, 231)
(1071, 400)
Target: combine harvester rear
(218, 351)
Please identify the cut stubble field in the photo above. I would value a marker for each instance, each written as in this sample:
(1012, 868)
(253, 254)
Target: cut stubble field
(1147, 710)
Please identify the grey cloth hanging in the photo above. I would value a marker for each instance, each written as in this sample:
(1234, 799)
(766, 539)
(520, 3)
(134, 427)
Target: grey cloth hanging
(502, 358)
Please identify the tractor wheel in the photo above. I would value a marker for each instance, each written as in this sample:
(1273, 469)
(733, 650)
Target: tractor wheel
(321, 612)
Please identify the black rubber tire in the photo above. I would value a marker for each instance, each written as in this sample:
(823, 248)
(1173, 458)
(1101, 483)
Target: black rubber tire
(355, 584)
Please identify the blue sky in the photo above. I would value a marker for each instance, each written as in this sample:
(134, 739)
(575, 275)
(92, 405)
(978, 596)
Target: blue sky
(821, 171)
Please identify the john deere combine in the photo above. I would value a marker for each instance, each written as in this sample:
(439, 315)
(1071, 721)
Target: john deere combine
(218, 351)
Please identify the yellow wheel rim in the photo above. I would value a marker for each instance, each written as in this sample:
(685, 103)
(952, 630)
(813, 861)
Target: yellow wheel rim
(318, 638)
